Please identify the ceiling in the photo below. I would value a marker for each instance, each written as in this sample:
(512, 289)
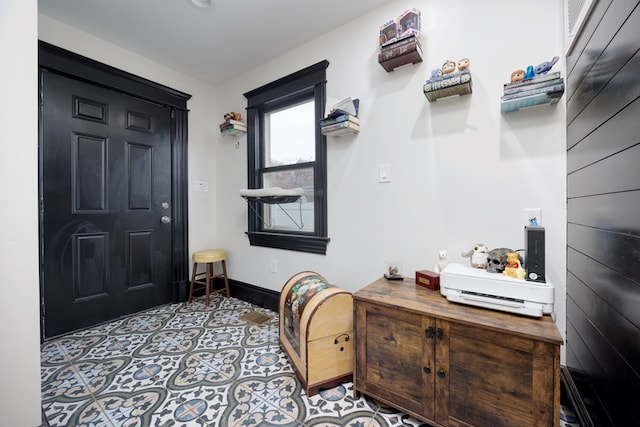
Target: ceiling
(211, 45)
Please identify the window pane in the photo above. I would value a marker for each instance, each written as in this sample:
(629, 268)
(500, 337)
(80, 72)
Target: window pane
(295, 216)
(290, 135)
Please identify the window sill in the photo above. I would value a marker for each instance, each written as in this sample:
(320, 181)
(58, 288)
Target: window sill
(292, 242)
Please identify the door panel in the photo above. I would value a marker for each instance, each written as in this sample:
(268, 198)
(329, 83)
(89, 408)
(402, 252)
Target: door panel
(106, 172)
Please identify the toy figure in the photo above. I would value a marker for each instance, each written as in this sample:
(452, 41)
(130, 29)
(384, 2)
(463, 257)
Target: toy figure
(448, 67)
(442, 261)
(463, 64)
(497, 260)
(514, 268)
(435, 74)
(517, 75)
(544, 68)
(530, 73)
(477, 255)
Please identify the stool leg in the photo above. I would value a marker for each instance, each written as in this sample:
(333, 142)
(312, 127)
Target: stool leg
(226, 279)
(208, 281)
(193, 278)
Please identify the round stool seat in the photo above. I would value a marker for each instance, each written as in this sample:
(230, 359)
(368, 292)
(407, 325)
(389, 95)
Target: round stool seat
(209, 255)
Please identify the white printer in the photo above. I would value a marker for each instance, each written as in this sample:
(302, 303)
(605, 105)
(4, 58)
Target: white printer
(475, 286)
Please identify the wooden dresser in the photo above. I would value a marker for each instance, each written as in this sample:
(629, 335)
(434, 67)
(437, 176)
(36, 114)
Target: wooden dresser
(455, 365)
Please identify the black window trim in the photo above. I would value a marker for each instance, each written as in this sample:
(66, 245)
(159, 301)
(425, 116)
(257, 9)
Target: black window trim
(310, 81)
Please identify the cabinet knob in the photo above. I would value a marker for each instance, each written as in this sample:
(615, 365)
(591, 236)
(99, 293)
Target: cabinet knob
(430, 332)
(441, 373)
(427, 370)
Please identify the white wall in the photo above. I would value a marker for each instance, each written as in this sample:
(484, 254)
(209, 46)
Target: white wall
(201, 107)
(19, 319)
(461, 172)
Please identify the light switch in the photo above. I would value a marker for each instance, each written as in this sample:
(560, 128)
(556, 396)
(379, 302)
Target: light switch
(385, 172)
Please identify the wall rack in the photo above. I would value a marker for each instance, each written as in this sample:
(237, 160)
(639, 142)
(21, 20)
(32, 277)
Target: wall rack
(274, 196)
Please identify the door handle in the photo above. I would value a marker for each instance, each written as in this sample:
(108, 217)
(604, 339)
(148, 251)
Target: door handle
(165, 219)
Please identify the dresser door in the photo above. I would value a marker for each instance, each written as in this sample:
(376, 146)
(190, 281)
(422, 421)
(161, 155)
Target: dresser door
(486, 378)
(395, 358)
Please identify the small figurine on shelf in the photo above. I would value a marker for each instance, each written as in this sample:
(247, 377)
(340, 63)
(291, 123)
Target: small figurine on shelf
(530, 73)
(233, 116)
(517, 76)
(463, 65)
(448, 67)
(393, 270)
(514, 267)
(435, 74)
(497, 260)
(545, 67)
(477, 255)
(442, 261)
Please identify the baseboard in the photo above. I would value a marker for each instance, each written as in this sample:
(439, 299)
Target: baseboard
(252, 294)
(575, 398)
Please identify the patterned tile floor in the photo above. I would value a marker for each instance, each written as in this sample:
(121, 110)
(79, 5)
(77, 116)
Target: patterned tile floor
(188, 365)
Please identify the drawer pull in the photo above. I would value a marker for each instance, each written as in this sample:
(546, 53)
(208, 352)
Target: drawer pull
(430, 332)
(427, 370)
(441, 373)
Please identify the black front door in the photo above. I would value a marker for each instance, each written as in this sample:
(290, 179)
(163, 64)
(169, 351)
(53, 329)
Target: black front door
(106, 204)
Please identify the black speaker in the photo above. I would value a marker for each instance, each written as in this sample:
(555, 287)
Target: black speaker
(534, 253)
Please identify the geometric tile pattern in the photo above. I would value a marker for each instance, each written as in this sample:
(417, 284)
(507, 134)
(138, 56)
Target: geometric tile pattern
(191, 365)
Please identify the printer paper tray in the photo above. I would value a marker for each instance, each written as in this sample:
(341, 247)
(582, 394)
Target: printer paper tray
(497, 303)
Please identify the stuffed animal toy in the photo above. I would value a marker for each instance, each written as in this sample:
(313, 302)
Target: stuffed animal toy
(477, 255)
(514, 268)
(442, 261)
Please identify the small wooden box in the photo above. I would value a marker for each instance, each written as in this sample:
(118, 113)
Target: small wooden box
(428, 279)
(316, 331)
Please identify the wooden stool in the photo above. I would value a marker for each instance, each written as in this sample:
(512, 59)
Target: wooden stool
(208, 257)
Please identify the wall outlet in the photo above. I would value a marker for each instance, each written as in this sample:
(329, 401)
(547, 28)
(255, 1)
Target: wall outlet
(274, 265)
(532, 216)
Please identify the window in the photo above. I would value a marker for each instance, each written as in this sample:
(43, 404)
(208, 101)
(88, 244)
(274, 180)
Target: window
(286, 149)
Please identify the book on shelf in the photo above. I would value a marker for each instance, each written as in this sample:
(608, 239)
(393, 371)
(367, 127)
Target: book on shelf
(400, 48)
(346, 106)
(233, 129)
(538, 79)
(544, 89)
(339, 118)
(237, 127)
(410, 57)
(530, 101)
(342, 127)
(232, 122)
(516, 89)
